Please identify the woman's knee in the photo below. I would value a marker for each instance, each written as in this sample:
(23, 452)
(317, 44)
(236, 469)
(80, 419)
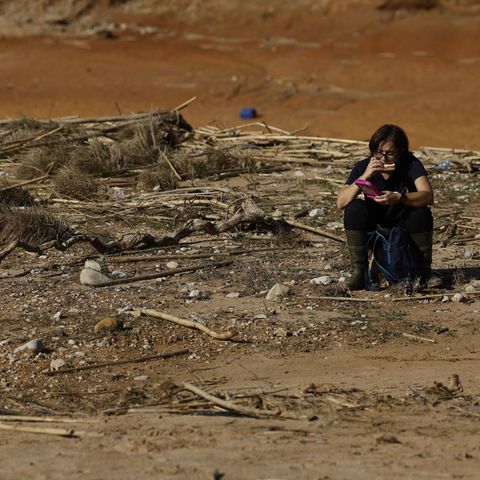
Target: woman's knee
(356, 215)
(419, 220)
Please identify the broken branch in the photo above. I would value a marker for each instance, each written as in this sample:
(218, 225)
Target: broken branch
(186, 323)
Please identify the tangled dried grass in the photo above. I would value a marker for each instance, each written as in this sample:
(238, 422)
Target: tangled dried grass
(32, 225)
(213, 161)
(161, 178)
(73, 183)
(41, 161)
(17, 196)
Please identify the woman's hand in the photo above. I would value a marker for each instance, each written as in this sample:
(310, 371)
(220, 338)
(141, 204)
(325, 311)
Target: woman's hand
(374, 166)
(388, 198)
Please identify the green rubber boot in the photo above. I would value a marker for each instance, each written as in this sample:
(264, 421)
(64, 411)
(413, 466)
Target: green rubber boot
(424, 243)
(357, 248)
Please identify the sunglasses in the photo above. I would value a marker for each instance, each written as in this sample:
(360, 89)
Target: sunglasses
(390, 154)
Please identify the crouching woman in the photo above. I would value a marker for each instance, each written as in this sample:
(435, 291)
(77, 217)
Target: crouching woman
(405, 195)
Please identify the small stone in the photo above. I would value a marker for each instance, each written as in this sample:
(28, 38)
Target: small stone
(199, 294)
(280, 332)
(93, 265)
(445, 299)
(172, 265)
(92, 277)
(57, 364)
(277, 214)
(233, 295)
(458, 298)
(32, 347)
(141, 378)
(260, 316)
(71, 341)
(299, 173)
(57, 316)
(470, 289)
(107, 324)
(277, 292)
(323, 280)
(316, 212)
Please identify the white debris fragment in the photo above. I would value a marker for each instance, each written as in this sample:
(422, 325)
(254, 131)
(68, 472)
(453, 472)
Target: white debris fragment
(458, 298)
(316, 212)
(33, 347)
(57, 364)
(323, 280)
(92, 277)
(93, 265)
(277, 292)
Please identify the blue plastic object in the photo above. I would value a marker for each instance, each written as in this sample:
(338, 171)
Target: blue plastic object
(247, 113)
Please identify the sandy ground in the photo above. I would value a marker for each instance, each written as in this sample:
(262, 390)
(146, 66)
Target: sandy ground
(340, 75)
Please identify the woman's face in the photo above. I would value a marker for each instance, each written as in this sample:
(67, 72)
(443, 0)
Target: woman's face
(387, 152)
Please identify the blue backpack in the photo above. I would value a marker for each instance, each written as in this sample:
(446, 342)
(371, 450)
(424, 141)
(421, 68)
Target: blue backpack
(396, 255)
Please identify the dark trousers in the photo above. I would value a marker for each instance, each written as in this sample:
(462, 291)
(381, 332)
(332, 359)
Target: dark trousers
(366, 215)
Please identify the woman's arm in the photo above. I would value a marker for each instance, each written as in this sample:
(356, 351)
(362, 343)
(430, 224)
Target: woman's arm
(349, 192)
(421, 198)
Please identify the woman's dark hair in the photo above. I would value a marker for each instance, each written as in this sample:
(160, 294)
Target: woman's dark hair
(391, 133)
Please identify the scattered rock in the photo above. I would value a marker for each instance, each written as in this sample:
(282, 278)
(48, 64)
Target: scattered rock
(260, 316)
(470, 289)
(281, 332)
(277, 292)
(316, 212)
(172, 265)
(458, 298)
(233, 295)
(93, 265)
(32, 347)
(57, 364)
(323, 280)
(92, 277)
(57, 316)
(141, 378)
(198, 294)
(277, 214)
(445, 299)
(107, 324)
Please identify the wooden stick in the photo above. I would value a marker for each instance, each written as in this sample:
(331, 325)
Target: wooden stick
(186, 323)
(165, 273)
(22, 184)
(431, 296)
(143, 258)
(249, 412)
(25, 418)
(184, 104)
(118, 362)
(44, 431)
(315, 230)
(172, 168)
(345, 299)
(416, 337)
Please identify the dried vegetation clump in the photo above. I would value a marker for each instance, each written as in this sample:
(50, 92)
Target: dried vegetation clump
(73, 183)
(33, 225)
(160, 178)
(17, 196)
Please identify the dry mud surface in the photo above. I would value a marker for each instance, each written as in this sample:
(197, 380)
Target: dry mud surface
(349, 396)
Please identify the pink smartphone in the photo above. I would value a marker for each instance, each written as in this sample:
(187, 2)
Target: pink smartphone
(368, 188)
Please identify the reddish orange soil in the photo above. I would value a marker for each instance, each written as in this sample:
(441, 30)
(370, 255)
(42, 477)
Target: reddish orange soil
(341, 75)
